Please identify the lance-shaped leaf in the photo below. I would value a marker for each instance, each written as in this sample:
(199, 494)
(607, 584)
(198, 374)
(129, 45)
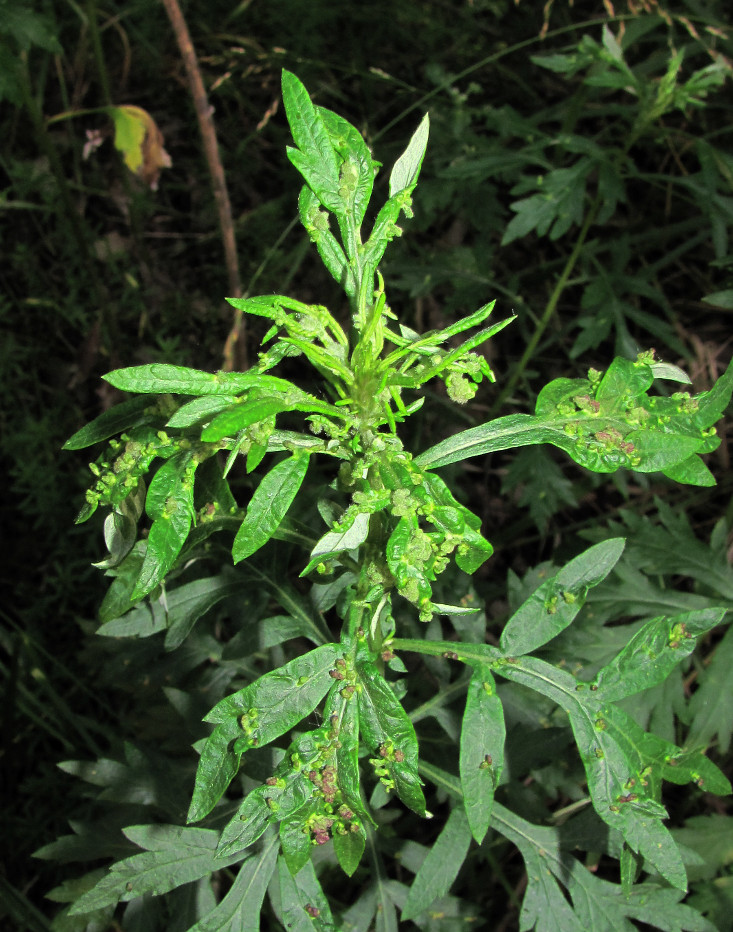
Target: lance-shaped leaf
(263, 806)
(130, 413)
(315, 158)
(606, 425)
(159, 378)
(596, 903)
(482, 749)
(387, 729)
(407, 167)
(653, 652)
(615, 764)
(302, 789)
(169, 503)
(256, 715)
(554, 605)
(303, 904)
(316, 226)
(239, 911)
(241, 416)
(283, 697)
(269, 505)
(440, 867)
(711, 706)
(203, 408)
(174, 856)
(334, 543)
(357, 169)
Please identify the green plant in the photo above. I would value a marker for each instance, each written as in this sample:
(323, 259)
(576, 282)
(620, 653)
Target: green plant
(396, 538)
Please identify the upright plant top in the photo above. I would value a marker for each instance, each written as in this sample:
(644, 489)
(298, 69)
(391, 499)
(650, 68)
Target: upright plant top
(393, 527)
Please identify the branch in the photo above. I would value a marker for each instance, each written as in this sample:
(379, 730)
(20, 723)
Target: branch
(211, 150)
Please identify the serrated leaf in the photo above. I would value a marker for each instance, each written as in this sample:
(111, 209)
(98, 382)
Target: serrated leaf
(239, 911)
(653, 652)
(596, 903)
(621, 427)
(269, 505)
(315, 157)
(552, 607)
(122, 416)
(176, 856)
(187, 603)
(280, 700)
(440, 868)
(169, 503)
(382, 719)
(481, 757)
(351, 148)
(613, 751)
(304, 904)
(711, 705)
(407, 167)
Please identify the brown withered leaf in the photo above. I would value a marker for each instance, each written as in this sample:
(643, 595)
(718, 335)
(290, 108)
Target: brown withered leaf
(140, 141)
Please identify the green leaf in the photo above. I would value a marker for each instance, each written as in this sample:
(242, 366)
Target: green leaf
(289, 795)
(315, 158)
(383, 722)
(653, 652)
(440, 868)
(596, 904)
(304, 904)
(621, 426)
(295, 843)
(231, 421)
(334, 543)
(170, 504)
(349, 849)
(130, 413)
(239, 911)
(407, 167)
(315, 222)
(118, 599)
(200, 409)
(217, 767)
(284, 696)
(481, 758)
(174, 856)
(552, 607)
(711, 706)
(158, 378)
(272, 705)
(269, 505)
(353, 151)
(301, 609)
(614, 752)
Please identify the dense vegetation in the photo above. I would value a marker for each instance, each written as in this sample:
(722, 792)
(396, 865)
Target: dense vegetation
(578, 171)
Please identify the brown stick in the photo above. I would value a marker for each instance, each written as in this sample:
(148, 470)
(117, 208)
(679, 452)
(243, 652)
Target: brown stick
(221, 195)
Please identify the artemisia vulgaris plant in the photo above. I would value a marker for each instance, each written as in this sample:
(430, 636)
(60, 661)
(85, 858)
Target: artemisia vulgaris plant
(336, 716)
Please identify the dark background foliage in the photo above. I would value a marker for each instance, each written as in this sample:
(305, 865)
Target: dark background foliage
(99, 271)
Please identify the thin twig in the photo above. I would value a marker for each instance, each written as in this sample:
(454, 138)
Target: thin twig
(235, 340)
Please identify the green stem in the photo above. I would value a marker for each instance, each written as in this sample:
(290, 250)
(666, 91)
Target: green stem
(549, 310)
